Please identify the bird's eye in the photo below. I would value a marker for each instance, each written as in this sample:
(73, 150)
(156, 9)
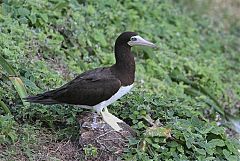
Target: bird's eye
(133, 39)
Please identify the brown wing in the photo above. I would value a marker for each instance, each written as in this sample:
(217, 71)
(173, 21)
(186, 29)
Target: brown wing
(89, 88)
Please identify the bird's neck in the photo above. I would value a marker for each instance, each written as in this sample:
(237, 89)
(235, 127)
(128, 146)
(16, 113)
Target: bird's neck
(125, 64)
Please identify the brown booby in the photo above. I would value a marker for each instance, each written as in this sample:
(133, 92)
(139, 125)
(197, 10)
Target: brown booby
(96, 89)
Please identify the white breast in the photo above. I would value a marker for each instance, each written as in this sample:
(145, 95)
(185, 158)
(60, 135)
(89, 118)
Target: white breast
(122, 91)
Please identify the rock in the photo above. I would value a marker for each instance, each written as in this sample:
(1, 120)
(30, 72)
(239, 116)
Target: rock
(99, 141)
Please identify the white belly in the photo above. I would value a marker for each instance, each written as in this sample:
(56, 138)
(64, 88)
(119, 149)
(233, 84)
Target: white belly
(122, 91)
(98, 107)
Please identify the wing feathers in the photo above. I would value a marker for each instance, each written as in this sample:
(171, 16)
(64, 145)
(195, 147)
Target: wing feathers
(89, 88)
(41, 98)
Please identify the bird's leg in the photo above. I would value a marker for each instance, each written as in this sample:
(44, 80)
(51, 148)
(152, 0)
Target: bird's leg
(96, 112)
(111, 119)
(94, 117)
(94, 122)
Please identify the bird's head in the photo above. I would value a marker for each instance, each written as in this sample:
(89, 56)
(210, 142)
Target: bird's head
(133, 39)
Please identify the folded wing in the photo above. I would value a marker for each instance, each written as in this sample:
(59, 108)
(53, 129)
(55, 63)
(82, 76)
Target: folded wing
(89, 88)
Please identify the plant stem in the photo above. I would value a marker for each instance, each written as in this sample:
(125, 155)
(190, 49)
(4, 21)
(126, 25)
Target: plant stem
(4, 107)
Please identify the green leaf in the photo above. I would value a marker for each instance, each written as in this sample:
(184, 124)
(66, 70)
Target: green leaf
(100, 37)
(173, 144)
(201, 151)
(12, 136)
(158, 131)
(133, 141)
(231, 146)
(188, 143)
(44, 17)
(29, 83)
(33, 18)
(148, 140)
(216, 142)
(23, 11)
(90, 9)
(226, 153)
(140, 125)
(233, 158)
(180, 148)
(60, 5)
(217, 130)
(156, 146)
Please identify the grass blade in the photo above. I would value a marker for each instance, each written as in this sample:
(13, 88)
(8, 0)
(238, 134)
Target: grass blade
(16, 81)
(4, 107)
(7, 67)
(19, 86)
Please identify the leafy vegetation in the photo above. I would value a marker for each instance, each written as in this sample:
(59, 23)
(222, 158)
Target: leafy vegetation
(47, 43)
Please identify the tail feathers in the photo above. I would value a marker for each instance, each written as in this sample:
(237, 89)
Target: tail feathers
(42, 99)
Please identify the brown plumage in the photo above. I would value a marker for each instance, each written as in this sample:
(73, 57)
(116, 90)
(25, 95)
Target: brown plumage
(97, 85)
(98, 88)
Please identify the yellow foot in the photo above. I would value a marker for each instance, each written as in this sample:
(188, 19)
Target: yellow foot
(111, 120)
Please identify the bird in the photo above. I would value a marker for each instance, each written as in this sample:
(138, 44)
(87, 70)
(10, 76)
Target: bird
(97, 88)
